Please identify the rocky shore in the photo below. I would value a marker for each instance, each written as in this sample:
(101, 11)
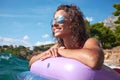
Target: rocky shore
(112, 56)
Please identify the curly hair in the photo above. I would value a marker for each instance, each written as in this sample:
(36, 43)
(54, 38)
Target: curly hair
(78, 27)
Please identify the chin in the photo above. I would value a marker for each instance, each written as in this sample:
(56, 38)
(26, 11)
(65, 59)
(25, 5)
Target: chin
(57, 36)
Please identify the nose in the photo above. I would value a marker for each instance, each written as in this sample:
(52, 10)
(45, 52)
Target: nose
(55, 24)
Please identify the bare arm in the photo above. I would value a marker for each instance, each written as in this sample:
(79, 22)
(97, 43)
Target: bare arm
(52, 52)
(91, 54)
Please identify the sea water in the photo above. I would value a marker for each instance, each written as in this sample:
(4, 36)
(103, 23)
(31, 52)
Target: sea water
(10, 66)
(13, 68)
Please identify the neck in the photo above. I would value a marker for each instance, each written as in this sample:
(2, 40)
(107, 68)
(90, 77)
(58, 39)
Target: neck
(70, 44)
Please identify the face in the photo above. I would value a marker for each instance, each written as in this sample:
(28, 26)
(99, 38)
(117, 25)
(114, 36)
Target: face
(61, 24)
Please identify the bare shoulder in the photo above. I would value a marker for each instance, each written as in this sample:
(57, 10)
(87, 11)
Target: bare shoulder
(92, 42)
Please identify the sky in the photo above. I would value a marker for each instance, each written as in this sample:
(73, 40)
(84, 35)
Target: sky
(28, 22)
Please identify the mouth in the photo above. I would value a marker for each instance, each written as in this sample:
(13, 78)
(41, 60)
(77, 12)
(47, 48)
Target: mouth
(57, 30)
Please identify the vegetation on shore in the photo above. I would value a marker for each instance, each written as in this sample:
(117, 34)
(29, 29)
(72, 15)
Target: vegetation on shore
(108, 37)
(24, 52)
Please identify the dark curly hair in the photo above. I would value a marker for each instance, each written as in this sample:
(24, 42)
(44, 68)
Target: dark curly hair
(78, 27)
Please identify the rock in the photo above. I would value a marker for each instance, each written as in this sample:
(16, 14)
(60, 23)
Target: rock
(109, 22)
(112, 57)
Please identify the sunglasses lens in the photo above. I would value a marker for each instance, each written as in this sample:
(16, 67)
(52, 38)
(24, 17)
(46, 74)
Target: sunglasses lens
(60, 19)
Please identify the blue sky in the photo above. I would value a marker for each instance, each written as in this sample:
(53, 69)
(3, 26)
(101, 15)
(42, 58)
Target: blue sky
(28, 21)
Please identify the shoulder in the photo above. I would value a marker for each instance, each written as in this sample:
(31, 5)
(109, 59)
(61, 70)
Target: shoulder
(92, 42)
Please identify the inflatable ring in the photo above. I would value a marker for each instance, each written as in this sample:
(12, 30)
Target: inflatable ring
(68, 69)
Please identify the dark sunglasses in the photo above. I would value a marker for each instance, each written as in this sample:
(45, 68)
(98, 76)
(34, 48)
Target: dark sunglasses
(60, 19)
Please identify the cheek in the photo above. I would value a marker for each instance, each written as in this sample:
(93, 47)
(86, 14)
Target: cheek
(66, 27)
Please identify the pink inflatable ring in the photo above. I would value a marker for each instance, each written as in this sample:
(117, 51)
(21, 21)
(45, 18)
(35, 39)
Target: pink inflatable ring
(68, 69)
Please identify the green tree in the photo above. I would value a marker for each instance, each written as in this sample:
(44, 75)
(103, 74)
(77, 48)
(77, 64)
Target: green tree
(104, 34)
(117, 34)
(117, 28)
(107, 37)
(94, 30)
(117, 12)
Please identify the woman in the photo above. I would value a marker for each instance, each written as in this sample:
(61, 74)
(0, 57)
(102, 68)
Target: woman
(73, 42)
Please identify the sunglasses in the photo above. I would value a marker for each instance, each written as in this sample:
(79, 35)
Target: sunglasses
(60, 19)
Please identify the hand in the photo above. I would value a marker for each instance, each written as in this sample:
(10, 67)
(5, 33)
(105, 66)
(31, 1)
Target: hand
(52, 52)
(60, 50)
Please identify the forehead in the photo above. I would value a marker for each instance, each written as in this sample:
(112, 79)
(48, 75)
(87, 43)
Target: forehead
(60, 12)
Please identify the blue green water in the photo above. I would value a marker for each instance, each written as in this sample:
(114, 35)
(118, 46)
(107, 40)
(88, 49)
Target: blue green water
(13, 68)
(10, 66)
